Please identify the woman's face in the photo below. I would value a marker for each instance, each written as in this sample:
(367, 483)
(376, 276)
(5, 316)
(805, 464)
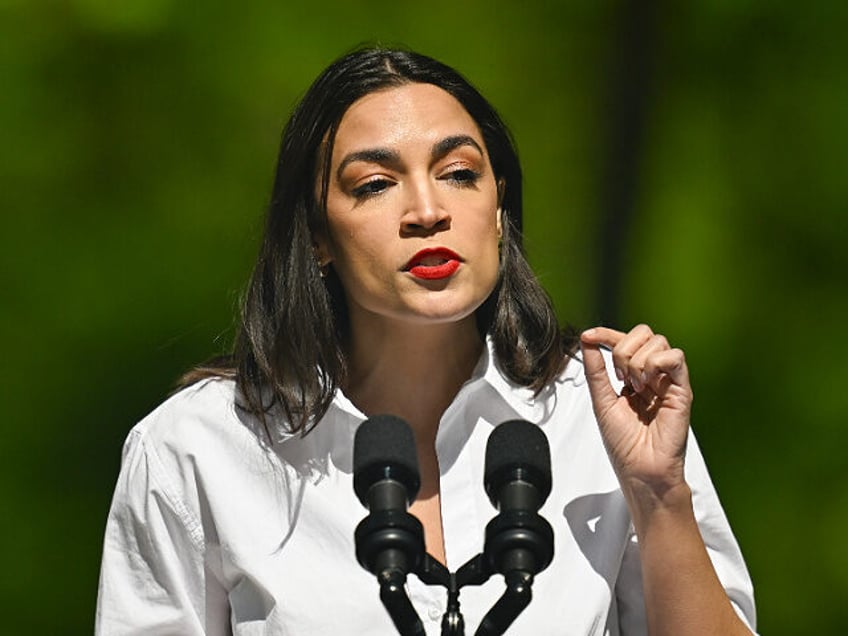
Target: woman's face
(412, 209)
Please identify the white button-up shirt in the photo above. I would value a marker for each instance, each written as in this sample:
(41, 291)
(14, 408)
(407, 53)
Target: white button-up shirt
(213, 530)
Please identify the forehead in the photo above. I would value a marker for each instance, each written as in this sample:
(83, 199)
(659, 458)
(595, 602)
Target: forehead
(410, 113)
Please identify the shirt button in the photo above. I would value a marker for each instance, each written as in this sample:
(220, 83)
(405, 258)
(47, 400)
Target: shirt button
(434, 613)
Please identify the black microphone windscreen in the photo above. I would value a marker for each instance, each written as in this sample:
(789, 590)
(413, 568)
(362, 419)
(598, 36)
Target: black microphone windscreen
(518, 445)
(384, 447)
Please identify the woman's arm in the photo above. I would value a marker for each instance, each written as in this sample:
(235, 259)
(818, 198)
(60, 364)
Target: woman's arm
(645, 429)
(152, 577)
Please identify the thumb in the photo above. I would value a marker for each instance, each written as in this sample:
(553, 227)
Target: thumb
(600, 388)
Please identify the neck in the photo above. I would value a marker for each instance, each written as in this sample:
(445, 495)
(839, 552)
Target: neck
(410, 370)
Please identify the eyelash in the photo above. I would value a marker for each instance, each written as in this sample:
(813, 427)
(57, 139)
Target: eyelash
(371, 188)
(462, 178)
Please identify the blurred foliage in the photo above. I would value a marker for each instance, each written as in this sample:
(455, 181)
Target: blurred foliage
(138, 144)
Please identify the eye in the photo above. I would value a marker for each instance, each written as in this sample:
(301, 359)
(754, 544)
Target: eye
(371, 188)
(463, 177)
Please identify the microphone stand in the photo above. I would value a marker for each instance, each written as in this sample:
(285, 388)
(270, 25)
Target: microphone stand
(512, 602)
(518, 543)
(390, 541)
(515, 598)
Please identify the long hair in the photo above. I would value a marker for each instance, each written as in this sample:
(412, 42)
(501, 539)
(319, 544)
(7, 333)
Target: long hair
(289, 351)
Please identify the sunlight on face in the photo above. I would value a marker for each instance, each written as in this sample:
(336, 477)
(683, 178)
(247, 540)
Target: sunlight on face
(412, 209)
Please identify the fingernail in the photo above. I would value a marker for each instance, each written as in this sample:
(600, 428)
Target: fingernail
(637, 383)
(619, 374)
(643, 379)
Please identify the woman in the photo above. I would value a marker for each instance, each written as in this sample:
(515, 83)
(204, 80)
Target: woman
(391, 279)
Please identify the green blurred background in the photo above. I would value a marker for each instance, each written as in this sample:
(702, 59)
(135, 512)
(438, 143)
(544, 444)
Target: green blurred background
(685, 167)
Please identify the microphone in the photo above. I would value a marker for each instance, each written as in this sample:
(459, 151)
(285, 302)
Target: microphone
(385, 464)
(389, 541)
(519, 543)
(517, 472)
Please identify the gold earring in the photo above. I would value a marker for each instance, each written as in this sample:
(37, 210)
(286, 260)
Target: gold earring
(323, 267)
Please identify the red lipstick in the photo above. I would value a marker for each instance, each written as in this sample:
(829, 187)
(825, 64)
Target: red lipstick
(433, 263)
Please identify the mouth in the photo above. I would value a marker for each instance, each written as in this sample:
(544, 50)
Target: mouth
(433, 263)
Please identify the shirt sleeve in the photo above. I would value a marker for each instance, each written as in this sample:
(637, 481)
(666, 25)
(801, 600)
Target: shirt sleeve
(153, 578)
(715, 530)
(721, 545)
(629, 594)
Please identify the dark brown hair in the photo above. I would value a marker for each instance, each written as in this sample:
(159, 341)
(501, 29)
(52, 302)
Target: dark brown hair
(289, 351)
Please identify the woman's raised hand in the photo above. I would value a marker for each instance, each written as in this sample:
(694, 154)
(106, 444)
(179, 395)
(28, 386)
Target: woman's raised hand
(645, 426)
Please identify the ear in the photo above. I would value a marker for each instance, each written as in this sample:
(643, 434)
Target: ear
(321, 249)
(501, 190)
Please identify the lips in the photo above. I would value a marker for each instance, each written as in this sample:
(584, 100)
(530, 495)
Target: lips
(433, 263)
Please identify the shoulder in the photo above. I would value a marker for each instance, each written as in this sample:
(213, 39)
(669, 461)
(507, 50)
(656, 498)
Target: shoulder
(194, 429)
(196, 410)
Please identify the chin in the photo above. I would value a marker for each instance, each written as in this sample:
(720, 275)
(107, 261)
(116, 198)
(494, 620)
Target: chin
(443, 313)
(431, 308)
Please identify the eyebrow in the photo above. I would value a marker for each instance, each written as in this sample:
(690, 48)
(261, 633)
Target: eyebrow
(443, 147)
(387, 156)
(372, 155)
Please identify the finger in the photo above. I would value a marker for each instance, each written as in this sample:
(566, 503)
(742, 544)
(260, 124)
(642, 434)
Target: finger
(624, 351)
(602, 336)
(667, 368)
(605, 337)
(600, 389)
(637, 371)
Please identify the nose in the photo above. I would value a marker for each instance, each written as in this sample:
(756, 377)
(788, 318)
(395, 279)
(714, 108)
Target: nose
(424, 211)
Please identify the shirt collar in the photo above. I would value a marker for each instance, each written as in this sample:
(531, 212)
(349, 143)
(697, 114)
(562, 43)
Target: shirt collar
(523, 401)
(487, 375)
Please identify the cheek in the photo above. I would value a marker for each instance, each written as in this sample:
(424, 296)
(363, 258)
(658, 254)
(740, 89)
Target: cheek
(488, 227)
(360, 256)
(353, 244)
(487, 238)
